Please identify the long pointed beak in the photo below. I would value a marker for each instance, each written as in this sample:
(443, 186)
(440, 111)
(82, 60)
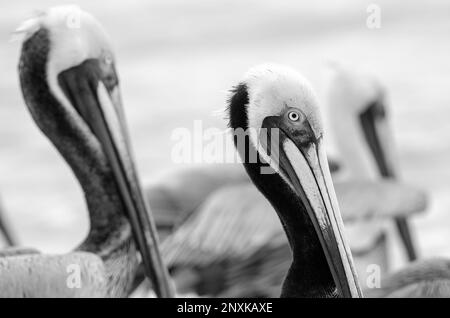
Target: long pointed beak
(307, 169)
(117, 148)
(101, 108)
(377, 131)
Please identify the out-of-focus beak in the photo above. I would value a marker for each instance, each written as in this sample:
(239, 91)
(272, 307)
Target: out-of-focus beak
(305, 167)
(99, 103)
(379, 137)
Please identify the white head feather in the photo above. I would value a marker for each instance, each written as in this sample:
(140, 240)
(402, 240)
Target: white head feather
(74, 36)
(272, 89)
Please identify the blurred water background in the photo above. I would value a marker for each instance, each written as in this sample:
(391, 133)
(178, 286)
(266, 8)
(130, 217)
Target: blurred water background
(176, 61)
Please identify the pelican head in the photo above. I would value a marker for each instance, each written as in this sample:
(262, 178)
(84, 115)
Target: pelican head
(360, 122)
(70, 85)
(279, 100)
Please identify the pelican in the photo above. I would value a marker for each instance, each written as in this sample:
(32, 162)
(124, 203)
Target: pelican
(363, 96)
(365, 141)
(190, 204)
(70, 85)
(217, 236)
(299, 188)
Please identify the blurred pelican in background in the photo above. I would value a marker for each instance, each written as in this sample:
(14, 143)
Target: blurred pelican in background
(359, 117)
(70, 85)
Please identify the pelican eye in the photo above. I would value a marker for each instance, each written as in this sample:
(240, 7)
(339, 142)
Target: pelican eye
(293, 116)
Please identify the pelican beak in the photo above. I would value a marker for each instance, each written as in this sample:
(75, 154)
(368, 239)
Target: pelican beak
(93, 90)
(378, 135)
(305, 167)
(376, 129)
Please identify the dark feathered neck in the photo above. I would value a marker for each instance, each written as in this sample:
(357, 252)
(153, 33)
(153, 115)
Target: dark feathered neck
(309, 274)
(110, 231)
